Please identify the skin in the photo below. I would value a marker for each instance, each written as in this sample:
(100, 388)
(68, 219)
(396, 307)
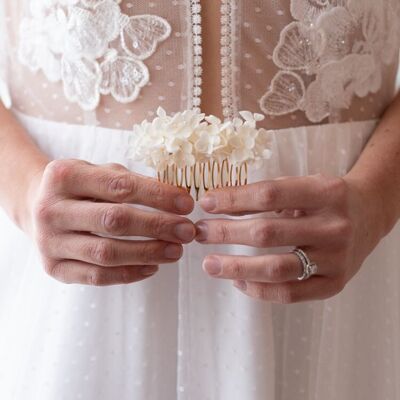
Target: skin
(62, 204)
(65, 216)
(211, 26)
(337, 220)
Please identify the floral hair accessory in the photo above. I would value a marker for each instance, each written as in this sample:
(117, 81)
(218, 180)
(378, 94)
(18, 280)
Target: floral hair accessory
(192, 150)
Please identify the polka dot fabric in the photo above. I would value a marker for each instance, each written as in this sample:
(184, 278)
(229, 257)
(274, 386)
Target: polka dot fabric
(249, 35)
(169, 83)
(182, 335)
(258, 34)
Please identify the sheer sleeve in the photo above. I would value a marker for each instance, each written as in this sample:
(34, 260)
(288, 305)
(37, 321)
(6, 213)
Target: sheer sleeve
(112, 63)
(4, 92)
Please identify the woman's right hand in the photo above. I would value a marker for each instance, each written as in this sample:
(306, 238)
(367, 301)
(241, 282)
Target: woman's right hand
(74, 198)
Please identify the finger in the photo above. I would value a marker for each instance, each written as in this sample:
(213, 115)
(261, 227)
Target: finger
(92, 181)
(314, 288)
(264, 232)
(121, 220)
(266, 268)
(307, 192)
(107, 252)
(115, 166)
(69, 271)
(290, 213)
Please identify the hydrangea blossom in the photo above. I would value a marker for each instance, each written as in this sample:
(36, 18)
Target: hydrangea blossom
(191, 137)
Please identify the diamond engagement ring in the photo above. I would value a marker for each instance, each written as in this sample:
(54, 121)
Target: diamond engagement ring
(309, 268)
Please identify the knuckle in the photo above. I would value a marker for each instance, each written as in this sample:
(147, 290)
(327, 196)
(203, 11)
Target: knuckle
(96, 277)
(342, 229)
(59, 272)
(102, 253)
(156, 191)
(145, 253)
(44, 212)
(237, 269)
(334, 188)
(115, 220)
(337, 185)
(223, 233)
(230, 199)
(48, 267)
(42, 242)
(259, 292)
(263, 233)
(268, 194)
(116, 166)
(158, 224)
(127, 276)
(276, 271)
(57, 171)
(121, 186)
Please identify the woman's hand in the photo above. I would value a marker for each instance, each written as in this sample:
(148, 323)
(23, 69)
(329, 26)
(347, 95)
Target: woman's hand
(75, 198)
(335, 221)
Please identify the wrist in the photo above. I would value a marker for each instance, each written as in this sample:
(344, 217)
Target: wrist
(378, 201)
(24, 212)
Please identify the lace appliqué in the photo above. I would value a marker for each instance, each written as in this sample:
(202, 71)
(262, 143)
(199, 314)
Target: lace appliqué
(91, 46)
(334, 49)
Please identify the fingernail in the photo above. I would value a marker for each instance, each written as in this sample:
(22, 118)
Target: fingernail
(212, 265)
(184, 204)
(208, 203)
(147, 271)
(185, 232)
(242, 285)
(201, 232)
(173, 251)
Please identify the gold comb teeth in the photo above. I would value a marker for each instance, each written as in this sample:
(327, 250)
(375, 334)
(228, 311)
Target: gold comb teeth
(202, 177)
(199, 152)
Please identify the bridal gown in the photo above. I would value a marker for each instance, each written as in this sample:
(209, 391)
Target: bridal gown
(78, 74)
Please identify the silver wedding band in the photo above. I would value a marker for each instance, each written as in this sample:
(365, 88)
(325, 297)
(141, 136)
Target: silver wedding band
(309, 268)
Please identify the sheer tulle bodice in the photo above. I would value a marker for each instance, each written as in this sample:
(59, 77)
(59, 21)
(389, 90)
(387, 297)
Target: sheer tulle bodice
(298, 62)
(304, 64)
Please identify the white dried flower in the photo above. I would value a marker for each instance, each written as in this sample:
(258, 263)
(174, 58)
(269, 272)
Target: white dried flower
(188, 137)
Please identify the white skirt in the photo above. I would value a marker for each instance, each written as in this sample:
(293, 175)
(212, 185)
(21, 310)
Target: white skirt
(183, 335)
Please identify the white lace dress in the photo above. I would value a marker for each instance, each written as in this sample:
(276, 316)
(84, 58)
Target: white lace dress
(78, 74)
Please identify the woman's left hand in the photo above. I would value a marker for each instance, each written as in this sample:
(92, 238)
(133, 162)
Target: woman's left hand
(334, 220)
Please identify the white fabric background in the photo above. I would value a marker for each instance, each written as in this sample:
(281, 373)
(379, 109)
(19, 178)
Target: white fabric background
(182, 335)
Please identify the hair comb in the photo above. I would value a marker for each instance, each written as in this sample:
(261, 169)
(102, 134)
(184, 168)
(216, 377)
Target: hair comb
(199, 152)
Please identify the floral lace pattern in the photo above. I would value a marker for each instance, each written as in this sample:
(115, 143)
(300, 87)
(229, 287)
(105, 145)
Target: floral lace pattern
(91, 46)
(334, 50)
